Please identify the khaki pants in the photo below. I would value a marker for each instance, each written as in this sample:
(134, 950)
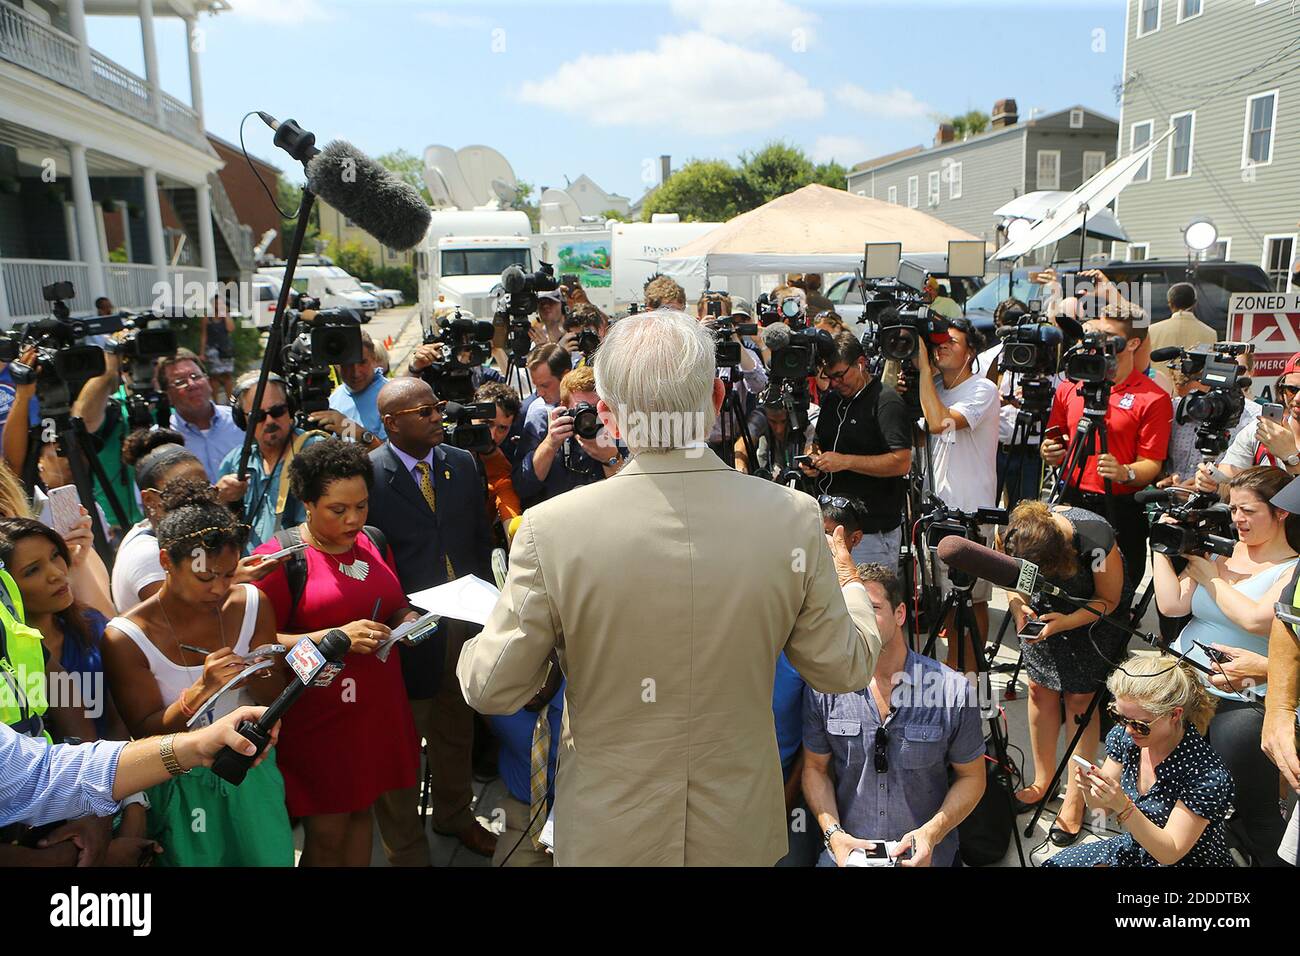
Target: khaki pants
(517, 820)
(446, 723)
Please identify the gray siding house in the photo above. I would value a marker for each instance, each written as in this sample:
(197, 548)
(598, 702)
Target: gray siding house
(963, 182)
(1224, 73)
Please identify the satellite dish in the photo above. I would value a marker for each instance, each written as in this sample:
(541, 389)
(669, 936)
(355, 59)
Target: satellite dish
(558, 209)
(443, 176)
(506, 193)
(483, 167)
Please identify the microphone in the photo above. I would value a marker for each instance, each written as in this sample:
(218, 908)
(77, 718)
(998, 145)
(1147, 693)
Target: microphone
(315, 667)
(389, 209)
(1166, 354)
(776, 336)
(1015, 574)
(1149, 495)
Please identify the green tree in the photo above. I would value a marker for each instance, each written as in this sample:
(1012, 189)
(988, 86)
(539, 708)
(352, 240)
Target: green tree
(351, 256)
(614, 214)
(408, 168)
(831, 174)
(525, 203)
(776, 169)
(970, 123)
(703, 190)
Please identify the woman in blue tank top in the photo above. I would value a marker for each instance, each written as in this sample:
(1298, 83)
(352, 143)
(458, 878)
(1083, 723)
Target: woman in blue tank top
(1231, 602)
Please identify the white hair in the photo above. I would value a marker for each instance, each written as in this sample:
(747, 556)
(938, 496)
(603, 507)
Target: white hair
(655, 371)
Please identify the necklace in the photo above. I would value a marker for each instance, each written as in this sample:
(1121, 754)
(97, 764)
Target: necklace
(181, 648)
(358, 569)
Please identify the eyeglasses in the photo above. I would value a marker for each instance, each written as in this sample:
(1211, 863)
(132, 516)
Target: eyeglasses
(424, 411)
(882, 750)
(180, 384)
(837, 377)
(1139, 727)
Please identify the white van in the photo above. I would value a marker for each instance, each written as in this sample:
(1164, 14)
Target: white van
(331, 285)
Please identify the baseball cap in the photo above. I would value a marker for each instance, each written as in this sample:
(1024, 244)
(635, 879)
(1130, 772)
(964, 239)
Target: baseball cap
(1292, 365)
(554, 295)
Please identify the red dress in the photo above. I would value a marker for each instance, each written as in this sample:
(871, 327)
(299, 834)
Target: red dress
(343, 746)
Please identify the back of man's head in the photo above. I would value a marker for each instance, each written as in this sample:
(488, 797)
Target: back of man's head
(1182, 296)
(655, 371)
(663, 293)
(844, 512)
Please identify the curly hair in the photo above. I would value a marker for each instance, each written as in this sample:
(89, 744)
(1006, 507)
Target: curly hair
(152, 452)
(1033, 534)
(195, 518)
(500, 394)
(663, 292)
(325, 462)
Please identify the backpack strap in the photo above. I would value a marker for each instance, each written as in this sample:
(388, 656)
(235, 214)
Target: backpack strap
(295, 570)
(378, 539)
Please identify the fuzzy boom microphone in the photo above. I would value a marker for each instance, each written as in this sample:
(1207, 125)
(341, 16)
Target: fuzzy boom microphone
(390, 210)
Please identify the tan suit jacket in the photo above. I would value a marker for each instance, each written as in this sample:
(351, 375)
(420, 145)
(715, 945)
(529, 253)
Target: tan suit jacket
(669, 591)
(1182, 329)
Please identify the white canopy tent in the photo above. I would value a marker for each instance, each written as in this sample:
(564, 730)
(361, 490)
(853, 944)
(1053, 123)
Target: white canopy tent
(813, 229)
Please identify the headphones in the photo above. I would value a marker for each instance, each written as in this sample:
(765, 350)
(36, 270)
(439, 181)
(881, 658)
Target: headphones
(237, 413)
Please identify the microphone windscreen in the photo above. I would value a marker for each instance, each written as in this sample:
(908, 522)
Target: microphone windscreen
(392, 211)
(1166, 354)
(334, 645)
(776, 336)
(1148, 495)
(979, 561)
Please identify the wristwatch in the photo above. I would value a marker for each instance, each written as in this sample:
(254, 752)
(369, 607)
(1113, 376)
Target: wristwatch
(169, 756)
(1291, 460)
(829, 832)
(1131, 475)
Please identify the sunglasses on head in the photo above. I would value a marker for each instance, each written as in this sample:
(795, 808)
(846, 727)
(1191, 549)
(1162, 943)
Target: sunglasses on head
(1139, 727)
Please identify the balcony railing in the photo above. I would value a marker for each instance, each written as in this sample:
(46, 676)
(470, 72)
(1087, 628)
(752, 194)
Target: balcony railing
(130, 285)
(41, 48)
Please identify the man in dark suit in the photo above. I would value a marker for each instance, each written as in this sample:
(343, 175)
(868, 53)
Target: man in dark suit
(427, 499)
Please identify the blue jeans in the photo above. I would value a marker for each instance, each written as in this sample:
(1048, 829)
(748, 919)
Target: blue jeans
(879, 548)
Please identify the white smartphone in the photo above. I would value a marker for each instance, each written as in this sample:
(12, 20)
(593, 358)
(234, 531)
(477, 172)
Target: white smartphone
(285, 552)
(1086, 765)
(1272, 411)
(65, 508)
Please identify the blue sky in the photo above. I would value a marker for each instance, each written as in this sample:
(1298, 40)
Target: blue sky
(563, 89)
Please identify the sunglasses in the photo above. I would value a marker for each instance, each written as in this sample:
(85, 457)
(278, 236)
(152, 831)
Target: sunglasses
(275, 411)
(1288, 389)
(882, 750)
(1139, 727)
(826, 501)
(424, 411)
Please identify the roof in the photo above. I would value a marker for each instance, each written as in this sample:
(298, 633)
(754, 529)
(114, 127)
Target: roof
(235, 148)
(978, 138)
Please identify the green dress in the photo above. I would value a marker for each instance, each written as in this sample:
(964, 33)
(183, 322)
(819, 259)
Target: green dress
(201, 820)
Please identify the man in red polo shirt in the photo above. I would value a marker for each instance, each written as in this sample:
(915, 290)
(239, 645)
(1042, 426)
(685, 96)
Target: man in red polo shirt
(1138, 421)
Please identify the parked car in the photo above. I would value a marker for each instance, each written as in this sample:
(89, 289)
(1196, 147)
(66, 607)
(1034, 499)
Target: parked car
(381, 295)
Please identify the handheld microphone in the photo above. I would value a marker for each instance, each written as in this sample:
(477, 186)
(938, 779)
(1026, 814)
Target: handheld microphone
(389, 209)
(1166, 354)
(313, 666)
(1014, 574)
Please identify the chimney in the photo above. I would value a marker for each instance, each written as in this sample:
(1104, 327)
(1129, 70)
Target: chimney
(665, 168)
(944, 134)
(1004, 114)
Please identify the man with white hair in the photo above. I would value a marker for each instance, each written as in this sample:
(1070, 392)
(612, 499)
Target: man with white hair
(666, 605)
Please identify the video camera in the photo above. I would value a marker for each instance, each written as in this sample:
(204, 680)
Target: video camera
(788, 309)
(466, 427)
(1093, 359)
(517, 300)
(943, 522)
(1202, 523)
(1031, 345)
(461, 337)
(317, 339)
(1218, 410)
(724, 327)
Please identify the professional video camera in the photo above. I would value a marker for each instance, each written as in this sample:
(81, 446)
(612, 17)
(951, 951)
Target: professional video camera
(451, 378)
(467, 426)
(1202, 523)
(1030, 345)
(1092, 360)
(788, 309)
(149, 338)
(942, 521)
(1218, 410)
(520, 288)
(317, 339)
(724, 327)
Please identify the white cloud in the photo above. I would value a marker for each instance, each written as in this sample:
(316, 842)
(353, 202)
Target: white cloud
(892, 104)
(692, 82)
(743, 20)
(846, 150)
(281, 11)
(451, 21)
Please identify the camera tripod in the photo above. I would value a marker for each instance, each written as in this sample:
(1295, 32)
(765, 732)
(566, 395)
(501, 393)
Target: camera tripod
(959, 602)
(1031, 420)
(1089, 438)
(733, 407)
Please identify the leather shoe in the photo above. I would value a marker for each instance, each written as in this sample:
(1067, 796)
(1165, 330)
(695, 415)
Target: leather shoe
(477, 839)
(1060, 837)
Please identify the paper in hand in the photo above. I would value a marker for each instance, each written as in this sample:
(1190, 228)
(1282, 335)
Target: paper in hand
(465, 599)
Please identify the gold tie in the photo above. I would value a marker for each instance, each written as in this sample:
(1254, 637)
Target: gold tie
(539, 759)
(426, 488)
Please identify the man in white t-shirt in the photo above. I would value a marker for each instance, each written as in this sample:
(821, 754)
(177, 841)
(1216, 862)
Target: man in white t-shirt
(961, 417)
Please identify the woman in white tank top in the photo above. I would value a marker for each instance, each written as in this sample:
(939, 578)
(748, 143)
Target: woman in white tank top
(169, 658)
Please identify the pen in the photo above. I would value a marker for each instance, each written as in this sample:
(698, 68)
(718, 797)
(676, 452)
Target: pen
(204, 652)
(375, 613)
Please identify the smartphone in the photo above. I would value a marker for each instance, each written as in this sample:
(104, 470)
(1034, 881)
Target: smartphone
(1213, 653)
(1272, 411)
(803, 460)
(65, 508)
(1086, 765)
(1055, 433)
(1032, 630)
(285, 552)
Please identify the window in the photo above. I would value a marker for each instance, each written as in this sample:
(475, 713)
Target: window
(893, 195)
(1148, 17)
(482, 262)
(1279, 252)
(1093, 161)
(1049, 169)
(1139, 135)
(932, 190)
(954, 180)
(1187, 9)
(1257, 141)
(913, 192)
(1076, 119)
(1179, 163)
(1221, 251)
(1139, 251)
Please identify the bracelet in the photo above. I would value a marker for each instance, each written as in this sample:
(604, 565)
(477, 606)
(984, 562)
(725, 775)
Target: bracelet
(168, 755)
(829, 832)
(1127, 811)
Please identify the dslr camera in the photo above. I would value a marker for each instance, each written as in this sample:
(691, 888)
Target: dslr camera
(462, 338)
(1202, 523)
(724, 327)
(787, 308)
